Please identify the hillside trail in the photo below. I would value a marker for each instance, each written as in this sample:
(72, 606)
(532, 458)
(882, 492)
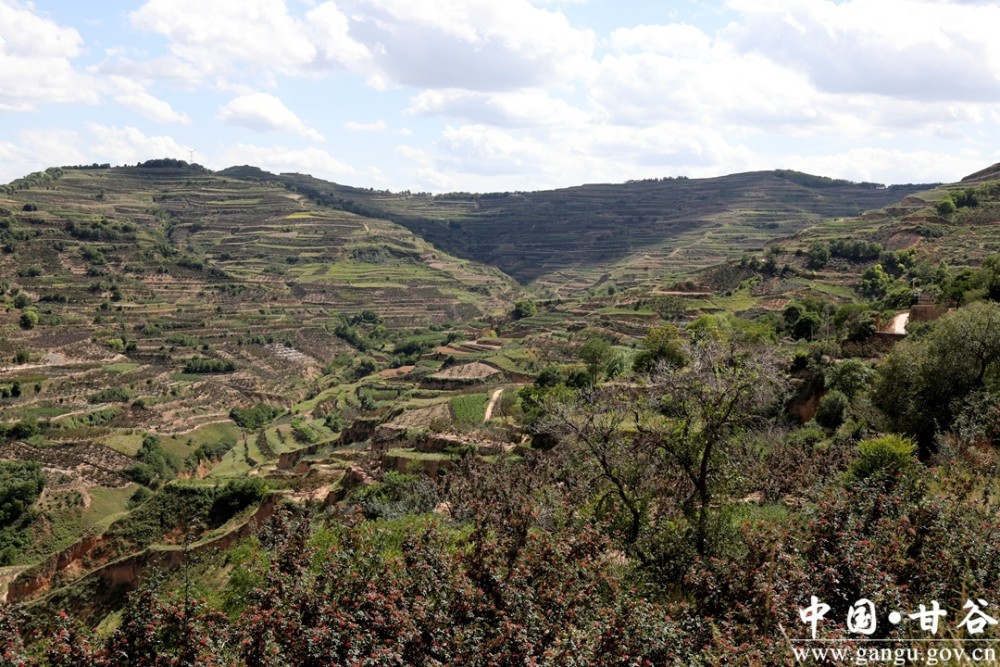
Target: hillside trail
(491, 404)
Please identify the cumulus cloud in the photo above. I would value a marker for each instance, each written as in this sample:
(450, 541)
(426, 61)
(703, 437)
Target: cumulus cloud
(36, 61)
(133, 95)
(474, 44)
(888, 165)
(898, 48)
(330, 29)
(486, 158)
(215, 36)
(644, 88)
(251, 37)
(278, 159)
(128, 144)
(529, 108)
(34, 150)
(263, 112)
(676, 39)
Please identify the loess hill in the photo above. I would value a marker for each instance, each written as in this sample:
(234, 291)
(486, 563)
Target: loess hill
(143, 304)
(156, 299)
(572, 239)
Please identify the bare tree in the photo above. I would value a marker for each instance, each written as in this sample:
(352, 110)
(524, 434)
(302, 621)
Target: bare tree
(662, 446)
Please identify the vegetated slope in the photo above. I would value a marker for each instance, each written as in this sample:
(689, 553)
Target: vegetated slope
(195, 293)
(891, 256)
(928, 222)
(573, 238)
(153, 300)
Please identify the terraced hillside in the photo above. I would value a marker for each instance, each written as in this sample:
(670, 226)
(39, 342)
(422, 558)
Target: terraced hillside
(573, 239)
(160, 297)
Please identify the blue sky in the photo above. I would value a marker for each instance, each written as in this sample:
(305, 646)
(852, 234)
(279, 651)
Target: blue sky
(486, 95)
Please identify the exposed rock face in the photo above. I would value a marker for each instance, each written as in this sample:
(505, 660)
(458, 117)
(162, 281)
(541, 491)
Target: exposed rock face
(356, 477)
(359, 431)
(87, 554)
(289, 460)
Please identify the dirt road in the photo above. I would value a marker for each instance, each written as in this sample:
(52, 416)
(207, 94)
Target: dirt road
(898, 324)
(491, 404)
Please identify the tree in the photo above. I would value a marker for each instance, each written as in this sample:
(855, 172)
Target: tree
(28, 319)
(831, 410)
(946, 207)
(818, 255)
(597, 354)
(524, 309)
(850, 376)
(664, 446)
(874, 282)
(807, 325)
(724, 389)
(662, 345)
(922, 382)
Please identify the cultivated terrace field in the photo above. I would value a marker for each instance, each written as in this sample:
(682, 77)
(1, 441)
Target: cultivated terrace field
(566, 241)
(262, 419)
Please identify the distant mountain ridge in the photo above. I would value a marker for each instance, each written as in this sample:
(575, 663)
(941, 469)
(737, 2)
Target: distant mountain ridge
(571, 239)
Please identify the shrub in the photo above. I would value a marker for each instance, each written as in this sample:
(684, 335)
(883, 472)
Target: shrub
(235, 496)
(832, 409)
(886, 456)
(946, 207)
(141, 495)
(255, 417)
(29, 319)
(524, 309)
(806, 437)
(199, 366)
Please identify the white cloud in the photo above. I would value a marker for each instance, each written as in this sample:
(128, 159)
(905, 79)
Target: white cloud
(218, 35)
(920, 50)
(529, 108)
(720, 87)
(472, 44)
(35, 61)
(27, 35)
(134, 96)
(263, 112)
(484, 158)
(375, 126)
(278, 159)
(330, 30)
(166, 69)
(673, 39)
(39, 149)
(252, 38)
(127, 144)
(886, 165)
(729, 82)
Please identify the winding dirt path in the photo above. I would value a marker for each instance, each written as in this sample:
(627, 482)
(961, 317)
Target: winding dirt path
(898, 323)
(491, 404)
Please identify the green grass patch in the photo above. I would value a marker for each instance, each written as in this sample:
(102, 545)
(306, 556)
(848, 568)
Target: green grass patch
(121, 367)
(123, 444)
(418, 456)
(469, 409)
(183, 446)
